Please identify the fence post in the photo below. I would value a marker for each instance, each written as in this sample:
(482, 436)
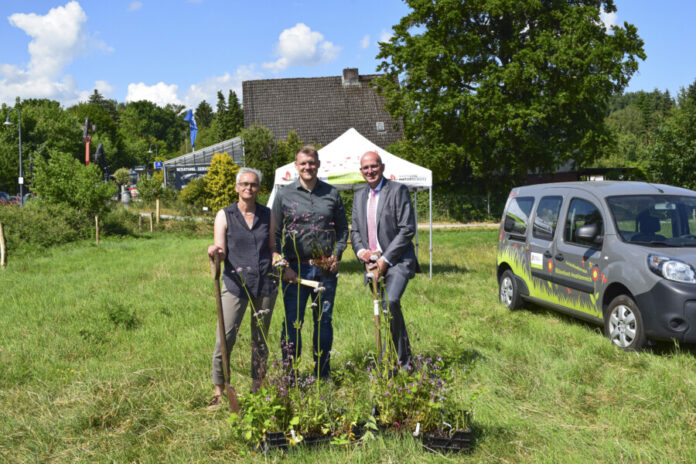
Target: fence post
(151, 226)
(157, 210)
(3, 247)
(96, 228)
(140, 225)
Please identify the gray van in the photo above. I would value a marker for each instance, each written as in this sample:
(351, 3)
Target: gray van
(621, 254)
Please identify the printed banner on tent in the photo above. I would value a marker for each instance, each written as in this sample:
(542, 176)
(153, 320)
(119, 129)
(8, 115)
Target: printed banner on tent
(340, 165)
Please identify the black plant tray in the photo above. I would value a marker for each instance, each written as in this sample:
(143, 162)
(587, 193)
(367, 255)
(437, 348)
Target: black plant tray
(358, 431)
(316, 440)
(275, 440)
(461, 441)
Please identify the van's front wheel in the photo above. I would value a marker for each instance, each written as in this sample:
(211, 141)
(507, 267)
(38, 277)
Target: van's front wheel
(508, 291)
(623, 324)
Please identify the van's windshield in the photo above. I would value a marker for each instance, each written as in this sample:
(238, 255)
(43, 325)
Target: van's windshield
(656, 220)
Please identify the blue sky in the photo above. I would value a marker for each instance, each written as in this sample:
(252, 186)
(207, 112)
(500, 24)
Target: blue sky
(183, 51)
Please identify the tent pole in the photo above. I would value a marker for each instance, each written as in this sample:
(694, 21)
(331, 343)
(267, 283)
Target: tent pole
(430, 200)
(415, 200)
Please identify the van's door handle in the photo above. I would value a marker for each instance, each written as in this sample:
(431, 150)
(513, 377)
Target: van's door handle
(559, 257)
(547, 254)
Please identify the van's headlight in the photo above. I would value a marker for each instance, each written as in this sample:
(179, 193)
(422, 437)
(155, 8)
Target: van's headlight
(672, 269)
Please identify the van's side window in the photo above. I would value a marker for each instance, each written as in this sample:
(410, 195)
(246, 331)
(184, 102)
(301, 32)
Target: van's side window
(517, 215)
(580, 213)
(546, 217)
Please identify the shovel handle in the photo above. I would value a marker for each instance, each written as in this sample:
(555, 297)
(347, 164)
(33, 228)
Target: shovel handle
(231, 395)
(215, 266)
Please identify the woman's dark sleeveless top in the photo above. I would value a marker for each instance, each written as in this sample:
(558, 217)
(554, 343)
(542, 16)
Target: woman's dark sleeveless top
(248, 260)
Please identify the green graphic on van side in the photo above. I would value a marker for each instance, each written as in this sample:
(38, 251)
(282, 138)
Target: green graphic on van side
(516, 256)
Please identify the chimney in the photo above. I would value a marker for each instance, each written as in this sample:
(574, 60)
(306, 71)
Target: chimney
(351, 78)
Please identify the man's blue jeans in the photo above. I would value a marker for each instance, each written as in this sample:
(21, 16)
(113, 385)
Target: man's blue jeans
(291, 339)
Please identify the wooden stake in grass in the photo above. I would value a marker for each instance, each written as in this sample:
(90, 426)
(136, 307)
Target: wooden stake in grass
(3, 247)
(157, 210)
(151, 227)
(96, 228)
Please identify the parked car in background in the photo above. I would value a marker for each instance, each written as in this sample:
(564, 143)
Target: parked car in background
(7, 199)
(621, 254)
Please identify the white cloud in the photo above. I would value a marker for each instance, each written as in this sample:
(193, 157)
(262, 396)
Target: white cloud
(162, 93)
(385, 36)
(299, 45)
(159, 94)
(207, 90)
(104, 87)
(57, 38)
(135, 6)
(365, 42)
(608, 19)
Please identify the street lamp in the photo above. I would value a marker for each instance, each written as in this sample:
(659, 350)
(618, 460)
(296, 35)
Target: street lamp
(21, 171)
(156, 149)
(150, 152)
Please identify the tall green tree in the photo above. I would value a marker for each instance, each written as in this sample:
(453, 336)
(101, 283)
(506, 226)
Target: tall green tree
(109, 106)
(204, 114)
(221, 122)
(107, 133)
(672, 155)
(229, 117)
(143, 123)
(261, 152)
(235, 114)
(46, 127)
(505, 86)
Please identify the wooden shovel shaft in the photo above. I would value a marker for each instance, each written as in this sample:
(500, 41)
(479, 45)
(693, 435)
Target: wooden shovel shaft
(376, 308)
(231, 395)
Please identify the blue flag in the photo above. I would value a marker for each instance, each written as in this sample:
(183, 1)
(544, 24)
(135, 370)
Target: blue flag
(192, 126)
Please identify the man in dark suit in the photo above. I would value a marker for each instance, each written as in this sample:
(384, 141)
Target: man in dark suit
(384, 222)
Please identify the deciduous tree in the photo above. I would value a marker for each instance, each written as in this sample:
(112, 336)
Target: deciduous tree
(672, 155)
(505, 86)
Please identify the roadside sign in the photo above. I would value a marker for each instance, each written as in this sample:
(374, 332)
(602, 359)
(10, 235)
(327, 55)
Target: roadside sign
(158, 165)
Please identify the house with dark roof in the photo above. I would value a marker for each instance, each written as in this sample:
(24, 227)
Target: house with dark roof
(320, 109)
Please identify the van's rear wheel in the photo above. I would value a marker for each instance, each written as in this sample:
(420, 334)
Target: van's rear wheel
(508, 291)
(623, 324)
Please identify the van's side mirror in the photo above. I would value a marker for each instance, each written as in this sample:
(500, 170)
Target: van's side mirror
(589, 233)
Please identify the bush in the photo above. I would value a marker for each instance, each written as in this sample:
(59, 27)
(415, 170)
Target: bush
(120, 222)
(122, 176)
(62, 179)
(150, 188)
(195, 193)
(220, 181)
(40, 224)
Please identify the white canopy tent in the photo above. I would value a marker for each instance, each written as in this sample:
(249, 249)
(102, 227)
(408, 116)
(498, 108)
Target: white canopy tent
(340, 167)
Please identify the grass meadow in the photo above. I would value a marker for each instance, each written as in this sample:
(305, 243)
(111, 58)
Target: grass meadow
(105, 357)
